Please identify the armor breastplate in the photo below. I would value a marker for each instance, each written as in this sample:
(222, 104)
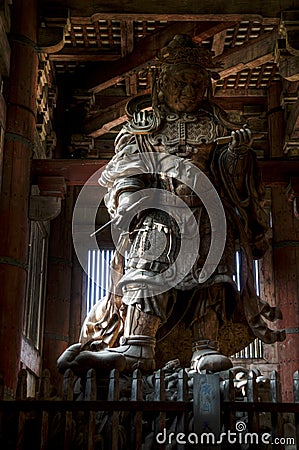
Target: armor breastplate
(183, 135)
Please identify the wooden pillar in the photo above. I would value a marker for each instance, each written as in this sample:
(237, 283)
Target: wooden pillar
(275, 120)
(20, 95)
(58, 301)
(285, 250)
(286, 276)
(78, 294)
(78, 303)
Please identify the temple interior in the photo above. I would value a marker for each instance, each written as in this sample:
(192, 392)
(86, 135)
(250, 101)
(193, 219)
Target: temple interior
(67, 72)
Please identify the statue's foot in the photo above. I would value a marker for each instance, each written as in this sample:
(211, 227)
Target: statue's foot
(138, 352)
(100, 361)
(207, 358)
(66, 359)
(80, 361)
(135, 352)
(211, 362)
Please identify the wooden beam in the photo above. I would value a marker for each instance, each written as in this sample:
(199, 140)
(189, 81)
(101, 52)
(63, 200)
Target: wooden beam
(218, 42)
(103, 122)
(103, 76)
(205, 32)
(239, 92)
(126, 37)
(78, 171)
(84, 55)
(75, 171)
(247, 56)
(156, 8)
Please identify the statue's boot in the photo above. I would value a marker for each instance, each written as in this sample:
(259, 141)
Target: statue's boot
(207, 358)
(138, 343)
(81, 361)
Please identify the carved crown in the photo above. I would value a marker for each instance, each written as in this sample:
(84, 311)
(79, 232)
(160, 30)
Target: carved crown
(182, 50)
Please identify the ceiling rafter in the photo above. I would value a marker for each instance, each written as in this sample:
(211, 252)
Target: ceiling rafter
(83, 55)
(127, 37)
(218, 42)
(267, 8)
(252, 54)
(144, 52)
(77, 172)
(103, 122)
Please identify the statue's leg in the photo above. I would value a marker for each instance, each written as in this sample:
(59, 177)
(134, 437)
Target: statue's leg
(205, 332)
(138, 341)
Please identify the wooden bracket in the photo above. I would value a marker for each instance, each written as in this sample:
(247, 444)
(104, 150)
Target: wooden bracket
(47, 204)
(52, 186)
(54, 27)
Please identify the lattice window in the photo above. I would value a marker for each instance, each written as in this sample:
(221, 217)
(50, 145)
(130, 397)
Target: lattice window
(36, 283)
(143, 28)
(103, 34)
(258, 78)
(255, 349)
(244, 32)
(98, 275)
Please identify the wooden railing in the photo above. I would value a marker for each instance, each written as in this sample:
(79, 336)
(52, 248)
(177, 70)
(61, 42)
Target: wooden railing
(127, 413)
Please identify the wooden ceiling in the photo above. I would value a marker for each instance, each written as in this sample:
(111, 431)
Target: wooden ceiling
(100, 54)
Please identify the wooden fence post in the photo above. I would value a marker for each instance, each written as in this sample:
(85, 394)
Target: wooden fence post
(91, 395)
(21, 394)
(206, 408)
(182, 397)
(229, 396)
(275, 397)
(252, 396)
(159, 395)
(67, 394)
(44, 394)
(137, 395)
(113, 395)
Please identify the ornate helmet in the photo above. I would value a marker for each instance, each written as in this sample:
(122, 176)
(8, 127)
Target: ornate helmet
(182, 50)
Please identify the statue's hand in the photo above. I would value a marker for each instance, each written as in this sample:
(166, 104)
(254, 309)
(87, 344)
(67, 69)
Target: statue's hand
(142, 119)
(241, 140)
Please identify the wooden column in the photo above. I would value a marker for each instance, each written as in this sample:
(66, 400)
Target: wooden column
(286, 277)
(275, 120)
(78, 294)
(20, 95)
(57, 314)
(78, 301)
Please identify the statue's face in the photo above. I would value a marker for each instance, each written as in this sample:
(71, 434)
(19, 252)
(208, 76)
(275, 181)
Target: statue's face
(183, 87)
